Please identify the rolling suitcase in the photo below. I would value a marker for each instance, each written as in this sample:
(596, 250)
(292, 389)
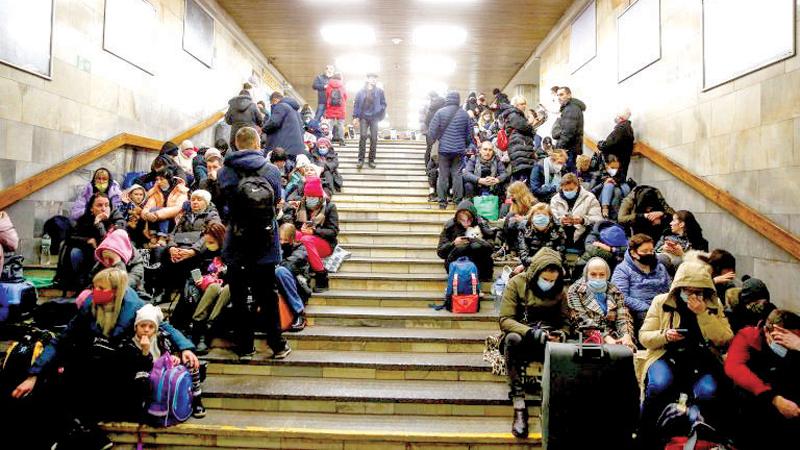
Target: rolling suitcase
(590, 397)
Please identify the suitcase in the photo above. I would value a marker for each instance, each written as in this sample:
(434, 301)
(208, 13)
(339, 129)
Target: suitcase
(16, 300)
(590, 397)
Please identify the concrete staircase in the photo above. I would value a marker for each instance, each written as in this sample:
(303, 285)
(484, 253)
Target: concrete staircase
(377, 368)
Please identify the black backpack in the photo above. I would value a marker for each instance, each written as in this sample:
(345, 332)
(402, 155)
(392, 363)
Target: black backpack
(254, 204)
(336, 97)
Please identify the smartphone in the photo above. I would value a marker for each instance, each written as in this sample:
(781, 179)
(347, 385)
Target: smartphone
(682, 330)
(196, 275)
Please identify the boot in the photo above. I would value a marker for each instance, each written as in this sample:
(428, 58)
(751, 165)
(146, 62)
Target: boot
(198, 410)
(199, 330)
(520, 426)
(299, 323)
(321, 281)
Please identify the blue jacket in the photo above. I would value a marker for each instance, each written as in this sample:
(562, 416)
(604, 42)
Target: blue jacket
(319, 85)
(237, 249)
(638, 287)
(536, 181)
(83, 328)
(378, 106)
(285, 127)
(458, 136)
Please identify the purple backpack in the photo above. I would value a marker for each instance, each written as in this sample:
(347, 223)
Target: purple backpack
(172, 392)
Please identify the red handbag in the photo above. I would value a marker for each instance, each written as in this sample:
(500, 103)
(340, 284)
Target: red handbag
(465, 303)
(502, 139)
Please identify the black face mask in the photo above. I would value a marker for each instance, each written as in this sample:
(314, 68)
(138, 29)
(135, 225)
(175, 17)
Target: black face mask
(287, 249)
(648, 260)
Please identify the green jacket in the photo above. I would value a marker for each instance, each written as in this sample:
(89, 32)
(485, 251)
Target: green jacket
(522, 295)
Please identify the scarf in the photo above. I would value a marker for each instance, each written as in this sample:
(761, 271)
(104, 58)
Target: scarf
(601, 299)
(318, 218)
(480, 164)
(550, 178)
(106, 315)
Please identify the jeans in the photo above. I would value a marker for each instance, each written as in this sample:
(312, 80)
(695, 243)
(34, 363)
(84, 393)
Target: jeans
(607, 194)
(78, 261)
(214, 299)
(364, 125)
(337, 128)
(519, 351)
(287, 285)
(428, 147)
(259, 279)
(450, 175)
(317, 248)
(320, 112)
(661, 377)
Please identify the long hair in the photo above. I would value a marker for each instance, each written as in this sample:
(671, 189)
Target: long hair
(692, 229)
(94, 197)
(522, 197)
(118, 280)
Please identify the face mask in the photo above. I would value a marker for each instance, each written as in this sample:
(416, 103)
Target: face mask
(188, 152)
(649, 260)
(313, 202)
(778, 349)
(540, 220)
(101, 186)
(102, 297)
(597, 285)
(323, 151)
(570, 194)
(545, 285)
(212, 247)
(613, 172)
(556, 167)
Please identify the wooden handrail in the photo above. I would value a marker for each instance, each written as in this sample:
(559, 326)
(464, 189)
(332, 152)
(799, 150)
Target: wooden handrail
(26, 187)
(782, 238)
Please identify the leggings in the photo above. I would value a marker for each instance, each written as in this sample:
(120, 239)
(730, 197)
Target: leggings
(317, 249)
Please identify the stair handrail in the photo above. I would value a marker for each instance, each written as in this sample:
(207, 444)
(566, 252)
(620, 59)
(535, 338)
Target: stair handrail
(782, 238)
(28, 186)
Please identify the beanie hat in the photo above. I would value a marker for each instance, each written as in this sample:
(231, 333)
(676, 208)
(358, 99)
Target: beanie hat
(118, 242)
(212, 153)
(323, 142)
(753, 289)
(313, 187)
(169, 148)
(149, 313)
(614, 236)
(205, 195)
(187, 144)
(302, 161)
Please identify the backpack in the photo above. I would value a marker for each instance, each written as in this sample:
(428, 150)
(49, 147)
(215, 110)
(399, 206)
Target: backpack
(57, 227)
(19, 357)
(463, 288)
(16, 300)
(336, 97)
(12, 269)
(171, 386)
(255, 203)
(502, 139)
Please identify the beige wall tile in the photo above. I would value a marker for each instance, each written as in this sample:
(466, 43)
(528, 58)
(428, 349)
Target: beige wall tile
(777, 141)
(18, 141)
(10, 99)
(69, 116)
(775, 274)
(722, 113)
(747, 108)
(70, 82)
(40, 108)
(780, 97)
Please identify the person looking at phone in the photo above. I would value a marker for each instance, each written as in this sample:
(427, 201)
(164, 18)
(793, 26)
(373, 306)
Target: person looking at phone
(317, 221)
(467, 234)
(685, 234)
(576, 209)
(682, 331)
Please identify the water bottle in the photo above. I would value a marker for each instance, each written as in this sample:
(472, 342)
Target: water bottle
(44, 253)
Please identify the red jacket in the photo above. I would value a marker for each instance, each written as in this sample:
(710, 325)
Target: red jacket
(743, 360)
(335, 112)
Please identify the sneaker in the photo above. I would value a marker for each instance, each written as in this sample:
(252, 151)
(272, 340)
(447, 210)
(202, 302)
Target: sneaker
(245, 355)
(433, 198)
(299, 324)
(360, 165)
(372, 165)
(198, 410)
(283, 353)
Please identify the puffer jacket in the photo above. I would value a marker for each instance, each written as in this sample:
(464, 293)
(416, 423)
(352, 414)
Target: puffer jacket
(9, 240)
(453, 229)
(568, 129)
(335, 112)
(663, 314)
(476, 167)
(85, 228)
(521, 142)
(285, 127)
(640, 288)
(586, 205)
(525, 305)
(79, 207)
(191, 222)
(458, 136)
(632, 211)
(295, 258)
(531, 240)
(617, 253)
(329, 228)
(242, 112)
(170, 208)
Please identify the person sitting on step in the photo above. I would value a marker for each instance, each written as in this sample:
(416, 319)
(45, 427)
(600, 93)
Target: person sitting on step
(325, 156)
(540, 230)
(102, 182)
(518, 202)
(215, 292)
(546, 175)
(468, 234)
(292, 273)
(644, 210)
(610, 187)
(685, 234)
(606, 240)
(576, 209)
(165, 201)
(484, 174)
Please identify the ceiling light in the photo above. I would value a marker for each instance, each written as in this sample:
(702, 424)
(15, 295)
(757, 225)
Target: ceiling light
(396, 41)
(357, 64)
(354, 86)
(439, 36)
(433, 65)
(348, 34)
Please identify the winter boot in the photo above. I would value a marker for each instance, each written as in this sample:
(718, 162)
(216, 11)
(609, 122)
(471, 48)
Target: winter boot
(321, 281)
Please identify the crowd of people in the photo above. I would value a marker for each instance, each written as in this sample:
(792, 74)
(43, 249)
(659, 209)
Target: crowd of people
(598, 257)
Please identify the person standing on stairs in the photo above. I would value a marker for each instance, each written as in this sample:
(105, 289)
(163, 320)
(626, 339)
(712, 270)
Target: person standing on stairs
(336, 107)
(452, 127)
(285, 127)
(251, 250)
(368, 110)
(321, 85)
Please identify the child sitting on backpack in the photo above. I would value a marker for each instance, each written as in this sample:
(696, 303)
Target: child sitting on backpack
(151, 343)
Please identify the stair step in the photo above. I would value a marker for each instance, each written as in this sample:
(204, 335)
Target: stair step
(392, 250)
(388, 237)
(379, 198)
(402, 265)
(286, 429)
(400, 317)
(398, 225)
(410, 299)
(373, 339)
(378, 177)
(386, 191)
(388, 170)
(390, 183)
(387, 202)
(393, 281)
(395, 213)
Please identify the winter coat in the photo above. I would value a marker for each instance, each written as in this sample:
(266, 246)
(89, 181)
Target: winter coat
(239, 249)
(615, 256)
(172, 206)
(130, 261)
(640, 288)
(9, 240)
(632, 211)
(199, 170)
(543, 192)
(191, 222)
(85, 228)
(378, 110)
(586, 205)
(329, 228)
(478, 168)
(457, 137)
(521, 148)
(79, 207)
(453, 229)
(150, 177)
(530, 241)
(620, 144)
(584, 310)
(297, 260)
(335, 112)
(186, 163)
(435, 105)
(320, 81)
(242, 112)
(285, 127)
(752, 366)
(525, 305)
(568, 129)
(663, 315)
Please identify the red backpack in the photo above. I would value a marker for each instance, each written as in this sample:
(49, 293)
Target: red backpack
(502, 139)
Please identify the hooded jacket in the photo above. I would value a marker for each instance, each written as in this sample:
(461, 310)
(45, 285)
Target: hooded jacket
(332, 111)
(453, 229)
(586, 206)
(522, 298)
(663, 314)
(113, 192)
(285, 127)
(583, 307)
(609, 233)
(568, 129)
(378, 110)
(241, 249)
(632, 211)
(118, 242)
(242, 112)
(457, 137)
(436, 103)
(640, 288)
(521, 149)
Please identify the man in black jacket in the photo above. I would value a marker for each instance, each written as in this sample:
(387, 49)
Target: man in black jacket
(436, 102)
(568, 130)
(242, 112)
(619, 142)
(320, 84)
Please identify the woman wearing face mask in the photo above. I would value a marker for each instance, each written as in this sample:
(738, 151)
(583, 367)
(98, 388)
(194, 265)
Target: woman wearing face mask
(644, 210)
(102, 183)
(165, 200)
(467, 234)
(546, 175)
(764, 362)
(533, 311)
(576, 209)
(325, 156)
(99, 370)
(595, 302)
(685, 234)
(611, 188)
(216, 293)
(683, 332)
(318, 222)
(640, 277)
(540, 231)
(519, 201)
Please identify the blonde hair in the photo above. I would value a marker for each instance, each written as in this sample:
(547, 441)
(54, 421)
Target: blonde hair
(118, 279)
(523, 199)
(583, 162)
(559, 151)
(543, 208)
(517, 99)
(287, 231)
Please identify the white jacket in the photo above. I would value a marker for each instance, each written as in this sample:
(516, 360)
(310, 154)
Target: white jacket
(586, 206)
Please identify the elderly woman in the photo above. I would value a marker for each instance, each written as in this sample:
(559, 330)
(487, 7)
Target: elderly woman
(596, 304)
(683, 332)
(99, 379)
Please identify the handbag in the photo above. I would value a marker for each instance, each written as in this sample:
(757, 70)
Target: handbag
(488, 206)
(465, 303)
(186, 238)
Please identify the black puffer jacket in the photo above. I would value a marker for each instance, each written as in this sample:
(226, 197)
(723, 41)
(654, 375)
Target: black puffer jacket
(453, 229)
(620, 144)
(521, 151)
(568, 129)
(242, 112)
(329, 230)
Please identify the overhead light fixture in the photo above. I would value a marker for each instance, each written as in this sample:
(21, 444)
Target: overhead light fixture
(396, 41)
(433, 65)
(354, 86)
(439, 36)
(348, 34)
(357, 64)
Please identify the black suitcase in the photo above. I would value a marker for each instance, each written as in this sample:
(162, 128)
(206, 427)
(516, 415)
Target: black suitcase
(590, 397)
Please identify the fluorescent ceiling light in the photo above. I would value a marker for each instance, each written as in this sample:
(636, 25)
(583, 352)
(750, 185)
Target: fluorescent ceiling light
(353, 86)
(439, 36)
(433, 65)
(348, 34)
(357, 64)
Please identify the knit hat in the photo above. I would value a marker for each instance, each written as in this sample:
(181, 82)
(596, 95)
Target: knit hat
(614, 236)
(213, 153)
(126, 194)
(323, 142)
(187, 144)
(302, 161)
(149, 313)
(169, 148)
(118, 242)
(753, 289)
(313, 187)
(205, 195)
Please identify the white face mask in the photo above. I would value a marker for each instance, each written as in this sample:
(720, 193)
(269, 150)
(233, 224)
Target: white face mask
(613, 172)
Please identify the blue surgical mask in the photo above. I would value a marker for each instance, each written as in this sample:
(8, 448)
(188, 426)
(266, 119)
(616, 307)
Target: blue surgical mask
(778, 349)
(545, 285)
(540, 220)
(323, 151)
(597, 285)
(570, 194)
(313, 202)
